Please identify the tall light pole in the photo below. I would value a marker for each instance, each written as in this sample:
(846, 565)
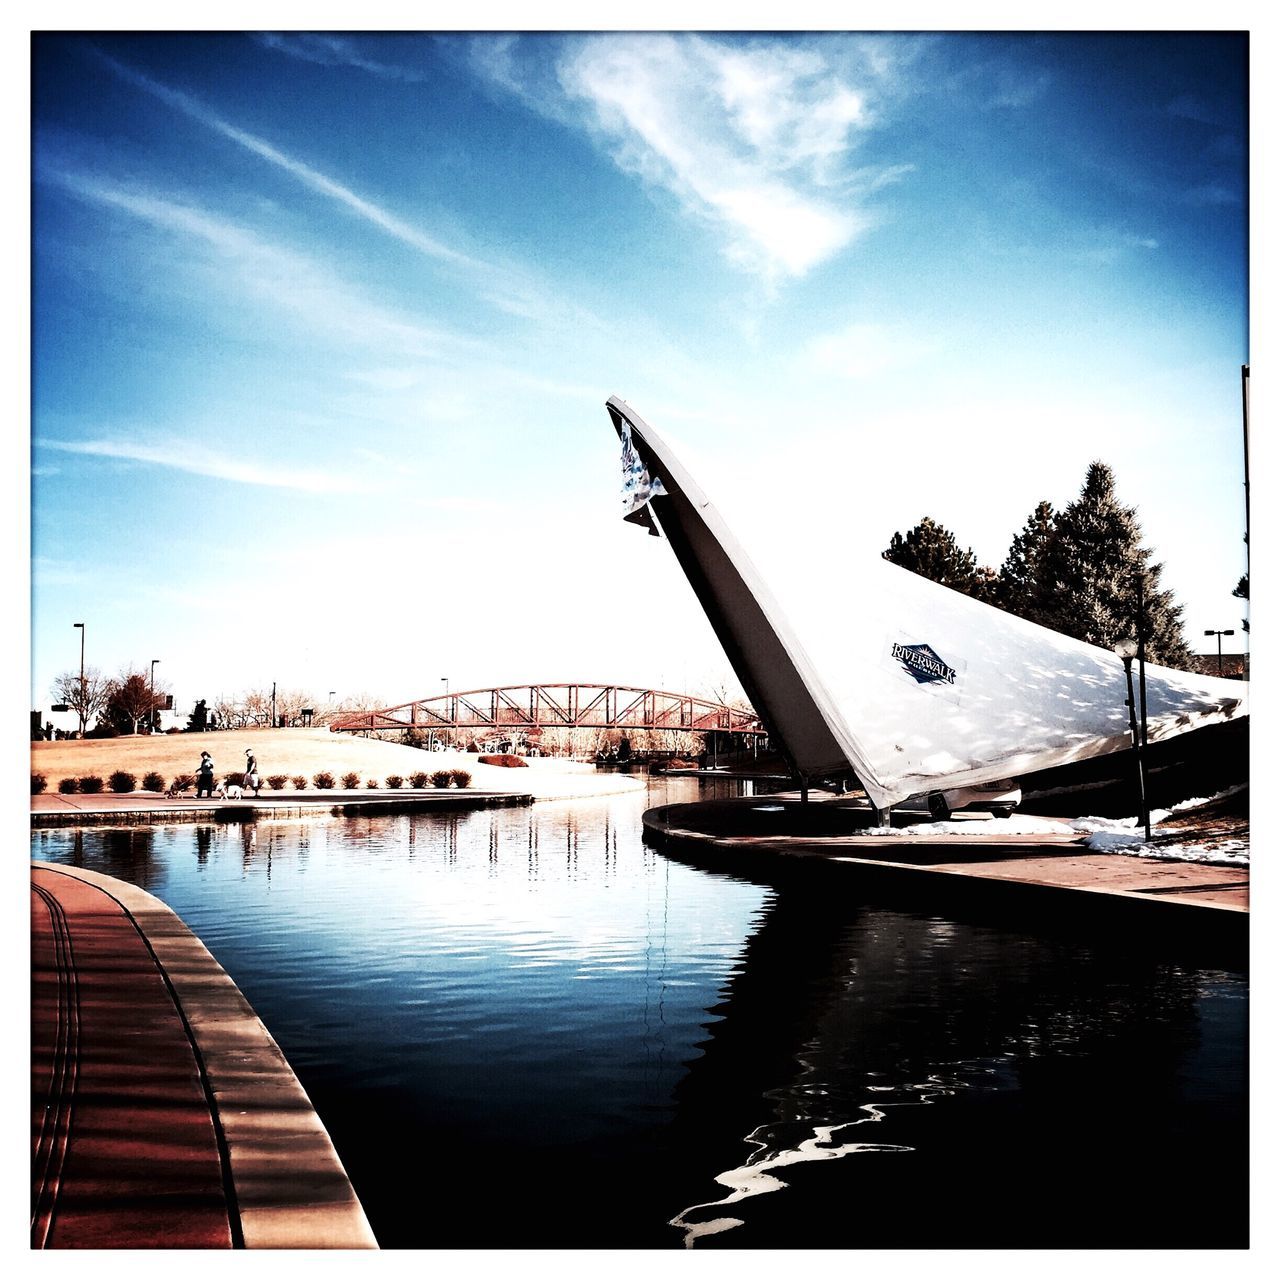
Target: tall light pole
(82, 692)
(1126, 651)
(445, 681)
(151, 716)
(1230, 631)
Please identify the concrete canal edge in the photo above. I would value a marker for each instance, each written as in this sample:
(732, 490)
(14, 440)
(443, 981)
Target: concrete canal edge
(287, 1183)
(1052, 878)
(145, 810)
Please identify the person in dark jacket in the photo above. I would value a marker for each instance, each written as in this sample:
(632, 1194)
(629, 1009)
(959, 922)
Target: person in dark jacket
(204, 776)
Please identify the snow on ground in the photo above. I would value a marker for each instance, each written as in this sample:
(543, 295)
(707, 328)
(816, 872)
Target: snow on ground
(1105, 835)
(1025, 824)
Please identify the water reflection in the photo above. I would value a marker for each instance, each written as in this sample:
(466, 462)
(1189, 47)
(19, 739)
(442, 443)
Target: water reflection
(527, 1028)
(1043, 1063)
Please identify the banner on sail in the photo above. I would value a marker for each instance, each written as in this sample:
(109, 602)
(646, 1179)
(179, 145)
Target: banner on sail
(638, 486)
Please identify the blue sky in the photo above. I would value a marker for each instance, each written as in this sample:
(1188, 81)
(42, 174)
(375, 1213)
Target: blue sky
(323, 327)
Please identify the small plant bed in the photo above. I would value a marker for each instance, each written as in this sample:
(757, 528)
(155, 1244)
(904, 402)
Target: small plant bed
(505, 761)
(441, 777)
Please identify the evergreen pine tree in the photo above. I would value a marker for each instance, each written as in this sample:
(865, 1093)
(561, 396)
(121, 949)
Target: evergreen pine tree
(1242, 593)
(1015, 589)
(1087, 583)
(931, 550)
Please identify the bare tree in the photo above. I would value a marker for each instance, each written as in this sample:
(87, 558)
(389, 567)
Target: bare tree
(229, 712)
(255, 706)
(290, 704)
(86, 699)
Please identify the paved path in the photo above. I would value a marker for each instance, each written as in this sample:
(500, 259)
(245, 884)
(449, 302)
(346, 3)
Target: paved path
(1044, 862)
(163, 1113)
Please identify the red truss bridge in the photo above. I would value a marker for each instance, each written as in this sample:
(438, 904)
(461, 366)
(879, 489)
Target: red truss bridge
(528, 707)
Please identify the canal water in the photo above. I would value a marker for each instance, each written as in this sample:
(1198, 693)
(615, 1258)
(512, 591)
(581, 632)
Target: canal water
(525, 1028)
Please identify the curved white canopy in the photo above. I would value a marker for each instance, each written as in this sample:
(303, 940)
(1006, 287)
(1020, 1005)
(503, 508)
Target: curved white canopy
(909, 684)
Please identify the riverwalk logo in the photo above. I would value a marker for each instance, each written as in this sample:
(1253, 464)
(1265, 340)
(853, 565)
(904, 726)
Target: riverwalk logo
(923, 664)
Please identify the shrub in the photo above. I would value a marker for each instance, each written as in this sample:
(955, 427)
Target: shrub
(441, 778)
(461, 778)
(395, 781)
(38, 783)
(276, 781)
(372, 784)
(506, 761)
(349, 780)
(418, 779)
(182, 781)
(152, 782)
(299, 782)
(120, 781)
(68, 786)
(91, 785)
(323, 780)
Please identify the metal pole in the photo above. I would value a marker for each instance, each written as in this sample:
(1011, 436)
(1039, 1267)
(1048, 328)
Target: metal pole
(1137, 741)
(1244, 402)
(273, 705)
(1142, 696)
(151, 717)
(82, 686)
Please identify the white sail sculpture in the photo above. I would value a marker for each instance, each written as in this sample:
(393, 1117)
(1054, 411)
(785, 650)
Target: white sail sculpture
(906, 684)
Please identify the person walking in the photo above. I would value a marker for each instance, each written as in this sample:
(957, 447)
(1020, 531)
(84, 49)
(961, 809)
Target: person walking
(251, 778)
(204, 776)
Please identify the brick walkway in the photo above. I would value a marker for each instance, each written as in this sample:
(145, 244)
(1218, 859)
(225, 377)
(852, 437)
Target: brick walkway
(163, 1114)
(125, 1152)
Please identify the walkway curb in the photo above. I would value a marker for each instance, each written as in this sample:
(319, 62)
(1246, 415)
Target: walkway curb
(290, 1188)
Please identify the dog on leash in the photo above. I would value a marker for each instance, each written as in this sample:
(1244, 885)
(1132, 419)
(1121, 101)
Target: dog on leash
(231, 791)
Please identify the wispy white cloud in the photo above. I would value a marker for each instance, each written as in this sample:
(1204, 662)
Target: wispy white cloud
(861, 350)
(413, 236)
(747, 137)
(335, 51)
(282, 278)
(754, 139)
(184, 456)
(509, 287)
(1018, 88)
(1212, 193)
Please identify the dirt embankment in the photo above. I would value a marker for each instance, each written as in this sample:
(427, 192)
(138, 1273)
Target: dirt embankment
(306, 752)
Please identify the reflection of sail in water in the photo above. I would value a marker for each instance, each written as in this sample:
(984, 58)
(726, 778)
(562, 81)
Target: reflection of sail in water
(782, 1145)
(848, 1031)
(756, 1176)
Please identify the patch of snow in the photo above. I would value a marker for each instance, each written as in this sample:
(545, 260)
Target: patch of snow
(1018, 825)
(1198, 800)
(1223, 853)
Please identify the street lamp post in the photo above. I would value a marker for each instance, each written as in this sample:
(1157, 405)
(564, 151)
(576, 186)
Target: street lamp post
(1230, 631)
(82, 690)
(151, 717)
(1126, 651)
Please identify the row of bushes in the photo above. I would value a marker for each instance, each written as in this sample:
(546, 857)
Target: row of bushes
(121, 782)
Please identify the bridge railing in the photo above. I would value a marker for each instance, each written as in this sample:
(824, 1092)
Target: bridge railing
(557, 706)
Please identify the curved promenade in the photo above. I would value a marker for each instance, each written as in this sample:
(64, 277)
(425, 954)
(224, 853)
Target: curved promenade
(1058, 873)
(163, 1113)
